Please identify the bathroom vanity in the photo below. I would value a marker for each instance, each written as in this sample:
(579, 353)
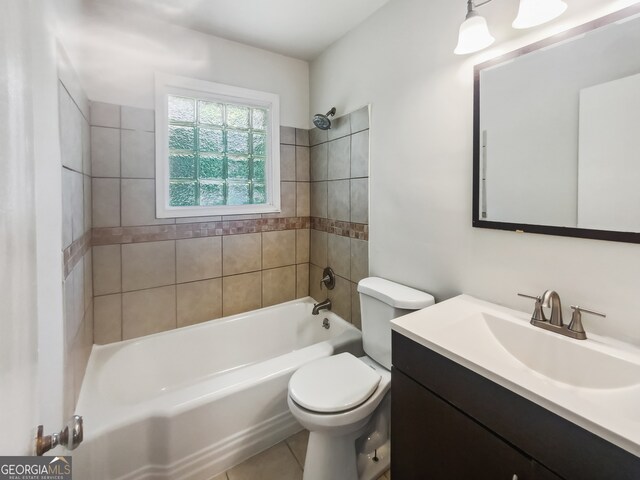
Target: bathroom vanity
(463, 407)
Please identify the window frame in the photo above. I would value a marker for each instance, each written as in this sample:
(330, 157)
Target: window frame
(166, 85)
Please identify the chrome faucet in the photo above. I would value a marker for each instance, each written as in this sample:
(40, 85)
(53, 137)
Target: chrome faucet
(325, 305)
(551, 299)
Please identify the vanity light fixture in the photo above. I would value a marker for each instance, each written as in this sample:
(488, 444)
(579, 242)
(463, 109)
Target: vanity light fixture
(474, 33)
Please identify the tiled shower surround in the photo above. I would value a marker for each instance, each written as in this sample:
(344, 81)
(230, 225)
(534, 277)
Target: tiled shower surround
(339, 210)
(76, 234)
(152, 275)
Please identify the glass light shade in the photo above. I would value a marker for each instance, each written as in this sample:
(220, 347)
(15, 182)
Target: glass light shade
(537, 12)
(474, 35)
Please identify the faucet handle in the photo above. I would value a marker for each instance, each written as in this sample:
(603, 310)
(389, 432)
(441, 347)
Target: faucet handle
(538, 313)
(328, 279)
(576, 319)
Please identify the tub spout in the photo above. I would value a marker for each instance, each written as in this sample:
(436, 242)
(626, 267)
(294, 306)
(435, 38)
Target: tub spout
(326, 305)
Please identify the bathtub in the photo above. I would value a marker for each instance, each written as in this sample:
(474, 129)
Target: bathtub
(193, 402)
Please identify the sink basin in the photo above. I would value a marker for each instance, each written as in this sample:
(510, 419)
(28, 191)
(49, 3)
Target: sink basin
(573, 362)
(594, 383)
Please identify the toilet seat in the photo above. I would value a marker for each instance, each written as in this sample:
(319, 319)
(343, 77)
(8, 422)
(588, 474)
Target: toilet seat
(333, 384)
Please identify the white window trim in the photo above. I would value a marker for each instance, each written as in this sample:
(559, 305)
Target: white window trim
(177, 85)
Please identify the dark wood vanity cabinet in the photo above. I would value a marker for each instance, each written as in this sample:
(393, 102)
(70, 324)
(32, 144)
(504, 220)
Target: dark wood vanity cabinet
(450, 423)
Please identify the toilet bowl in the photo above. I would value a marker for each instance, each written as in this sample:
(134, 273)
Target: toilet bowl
(344, 401)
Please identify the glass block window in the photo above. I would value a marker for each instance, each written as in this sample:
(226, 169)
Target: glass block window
(216, 154)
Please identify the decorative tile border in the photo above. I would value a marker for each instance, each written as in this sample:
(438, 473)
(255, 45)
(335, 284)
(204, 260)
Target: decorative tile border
(153, 233)
(344, 229)
(74, 252)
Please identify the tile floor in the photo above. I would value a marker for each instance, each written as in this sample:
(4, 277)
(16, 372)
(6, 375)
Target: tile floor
(284, 461)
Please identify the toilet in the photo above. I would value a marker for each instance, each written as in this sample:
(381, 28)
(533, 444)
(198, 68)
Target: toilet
(344, 400)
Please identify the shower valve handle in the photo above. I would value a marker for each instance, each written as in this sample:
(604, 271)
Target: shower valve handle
(328, 279)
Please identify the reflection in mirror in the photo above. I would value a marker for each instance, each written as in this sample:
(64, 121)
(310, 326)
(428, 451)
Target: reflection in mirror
(557, 132)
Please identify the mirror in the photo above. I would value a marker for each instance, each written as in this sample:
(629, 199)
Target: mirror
(557, 134)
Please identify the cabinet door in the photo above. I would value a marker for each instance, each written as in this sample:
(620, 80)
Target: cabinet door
(541, 473)
(430, 439)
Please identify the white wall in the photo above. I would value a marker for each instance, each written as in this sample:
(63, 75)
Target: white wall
(116, 55)
(400, 60)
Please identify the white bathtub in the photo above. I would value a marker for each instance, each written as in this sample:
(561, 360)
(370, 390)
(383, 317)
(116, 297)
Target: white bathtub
(192, 402)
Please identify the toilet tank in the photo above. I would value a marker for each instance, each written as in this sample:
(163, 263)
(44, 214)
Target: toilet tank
(380, 302)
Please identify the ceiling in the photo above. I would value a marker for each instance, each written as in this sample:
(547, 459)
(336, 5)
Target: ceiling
(296, 28)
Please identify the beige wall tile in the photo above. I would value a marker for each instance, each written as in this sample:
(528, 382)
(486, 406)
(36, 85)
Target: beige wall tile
(360, 200)
(318, 248)
(302, 164)
(73, 287)
(303, 201)
(67, 207)
(360, 119)
(287, 201)
(315, 275)
(338, 207)
(199, 301)
(138, 154)
(356, 316)
(241, 293)
(339, 163)
(278, 248)
(86, 147)
(339, 254)
(137, 119)
(105, 202)
(106, 269)
(105, 152)
(148, 311)
(77, 205)
(302, 280)
(287, 163)
(288, 135)
(278, 285)
(319, 199)
(88, 278)
(241, 253)
(70, 130)
(87, 203)
(359, 260)
(317, 136)
(302, 245)
(341, 298)
(198, 259)
(360, 154)
(302, 137)
(107, 318)
(146, 265)
(318, 162)
(139, 203)
(340, 127)
(105, 114)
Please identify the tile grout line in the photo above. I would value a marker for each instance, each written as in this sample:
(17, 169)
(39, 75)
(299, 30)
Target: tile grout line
(293, 454)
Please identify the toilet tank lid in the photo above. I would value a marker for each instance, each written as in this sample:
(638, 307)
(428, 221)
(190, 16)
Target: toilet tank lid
(394, 294)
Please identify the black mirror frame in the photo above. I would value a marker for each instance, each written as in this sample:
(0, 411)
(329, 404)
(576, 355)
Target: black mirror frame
(616, 236)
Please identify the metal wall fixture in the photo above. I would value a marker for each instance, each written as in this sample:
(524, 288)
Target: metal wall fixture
(70, 436)
(474, 33)
(328, 279)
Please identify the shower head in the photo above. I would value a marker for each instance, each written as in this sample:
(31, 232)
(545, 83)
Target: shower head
(322, 121)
